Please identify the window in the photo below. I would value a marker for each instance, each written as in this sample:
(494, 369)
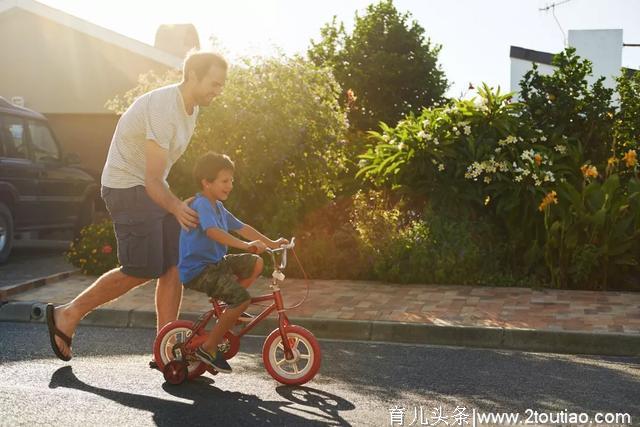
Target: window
(12, 138)
(44, 146)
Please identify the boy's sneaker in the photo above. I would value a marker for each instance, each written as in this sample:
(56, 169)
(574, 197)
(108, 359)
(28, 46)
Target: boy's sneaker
(216, 361)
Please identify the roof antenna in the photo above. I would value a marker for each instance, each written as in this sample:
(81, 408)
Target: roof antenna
(552, 7)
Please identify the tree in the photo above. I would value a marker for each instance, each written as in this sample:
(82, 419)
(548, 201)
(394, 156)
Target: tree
(280, 121)
(386, 63)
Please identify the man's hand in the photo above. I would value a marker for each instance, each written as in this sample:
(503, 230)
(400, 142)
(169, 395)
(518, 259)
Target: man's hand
(277, 243)
(187, 217)
(257, 246)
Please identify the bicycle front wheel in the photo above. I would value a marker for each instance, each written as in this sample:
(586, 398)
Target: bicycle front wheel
(305, 363)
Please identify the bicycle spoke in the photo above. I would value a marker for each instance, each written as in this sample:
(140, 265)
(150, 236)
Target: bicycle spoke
(280, 362)
(295, 368)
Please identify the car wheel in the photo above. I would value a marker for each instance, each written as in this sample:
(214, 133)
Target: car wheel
(86, 216)
(6, 232)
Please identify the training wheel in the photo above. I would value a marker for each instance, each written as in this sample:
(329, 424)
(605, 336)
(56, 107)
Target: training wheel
(175, 372)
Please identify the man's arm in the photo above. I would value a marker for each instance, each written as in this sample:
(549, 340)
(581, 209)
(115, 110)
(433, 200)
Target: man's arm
(156, 161)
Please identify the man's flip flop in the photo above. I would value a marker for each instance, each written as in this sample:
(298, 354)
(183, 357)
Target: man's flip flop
(53, 331)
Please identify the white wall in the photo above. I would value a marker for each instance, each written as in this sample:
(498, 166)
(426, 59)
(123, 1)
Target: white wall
(603, 48)
(519, 68)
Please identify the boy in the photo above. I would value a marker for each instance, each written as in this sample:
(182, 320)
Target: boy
(204, 264)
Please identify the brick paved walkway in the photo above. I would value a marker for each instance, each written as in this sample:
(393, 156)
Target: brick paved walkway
(543, 309)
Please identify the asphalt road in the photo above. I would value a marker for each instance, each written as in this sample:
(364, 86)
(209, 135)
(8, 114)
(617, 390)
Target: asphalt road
(108, 383)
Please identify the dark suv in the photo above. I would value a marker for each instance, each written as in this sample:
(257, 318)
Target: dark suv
(40, 189)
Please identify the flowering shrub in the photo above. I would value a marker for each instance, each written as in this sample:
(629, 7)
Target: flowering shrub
(94, 251)
(509, 161)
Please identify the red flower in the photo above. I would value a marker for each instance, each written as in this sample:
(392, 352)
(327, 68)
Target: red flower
(107, 249)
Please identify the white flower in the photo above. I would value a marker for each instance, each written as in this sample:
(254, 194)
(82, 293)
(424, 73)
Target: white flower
(518, 178)
(487, 179)
(440, 167)
(497, 150)
(543, 138)
(527, 155)
(425, 123)
(435, 141)
(537, 181)
(422, 134)
(467, 130)
(560, 149)
(401, 146)
(549, 177)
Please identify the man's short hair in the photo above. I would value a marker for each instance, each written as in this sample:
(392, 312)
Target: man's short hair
(209, 165)
(201, 62)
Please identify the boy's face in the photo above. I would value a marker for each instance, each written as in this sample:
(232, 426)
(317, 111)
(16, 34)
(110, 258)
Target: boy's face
(220, 187)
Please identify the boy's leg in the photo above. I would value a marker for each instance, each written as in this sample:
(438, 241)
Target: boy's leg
(226, 322)
(107, 287)
(257, 270)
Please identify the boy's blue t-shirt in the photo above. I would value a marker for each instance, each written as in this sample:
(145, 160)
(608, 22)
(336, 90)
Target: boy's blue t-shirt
(196, 249)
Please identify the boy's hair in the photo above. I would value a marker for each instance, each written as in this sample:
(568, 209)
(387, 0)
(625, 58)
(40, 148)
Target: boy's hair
(200, 62)
(209, 165)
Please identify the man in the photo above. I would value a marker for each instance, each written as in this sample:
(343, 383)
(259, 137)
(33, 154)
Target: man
(149, 138)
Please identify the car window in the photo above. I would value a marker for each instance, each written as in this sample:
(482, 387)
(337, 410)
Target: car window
(12, 138)
(43, 144)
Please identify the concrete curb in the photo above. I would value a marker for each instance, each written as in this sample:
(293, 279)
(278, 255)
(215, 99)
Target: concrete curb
(605, 344)
(7, 291)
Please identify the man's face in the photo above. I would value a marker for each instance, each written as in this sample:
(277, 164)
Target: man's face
(220, 187)
(210, 86)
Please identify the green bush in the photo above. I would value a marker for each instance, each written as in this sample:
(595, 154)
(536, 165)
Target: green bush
(94, 251)
(501, 161)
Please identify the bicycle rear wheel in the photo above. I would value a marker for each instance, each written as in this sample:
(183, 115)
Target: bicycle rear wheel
(174, 333)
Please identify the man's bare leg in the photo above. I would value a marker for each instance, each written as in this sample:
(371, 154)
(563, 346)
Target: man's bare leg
(107, 287)
(168, 297)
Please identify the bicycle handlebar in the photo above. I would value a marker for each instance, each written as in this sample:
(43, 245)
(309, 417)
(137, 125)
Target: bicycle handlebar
(272, 252)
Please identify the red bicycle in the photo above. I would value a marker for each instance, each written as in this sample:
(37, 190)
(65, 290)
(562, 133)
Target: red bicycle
(291, 354)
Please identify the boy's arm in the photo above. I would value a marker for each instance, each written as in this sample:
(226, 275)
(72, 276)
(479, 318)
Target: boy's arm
(227, 239)
(250, 233)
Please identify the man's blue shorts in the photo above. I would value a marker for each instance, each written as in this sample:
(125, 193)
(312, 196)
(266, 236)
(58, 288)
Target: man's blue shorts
(148, 236)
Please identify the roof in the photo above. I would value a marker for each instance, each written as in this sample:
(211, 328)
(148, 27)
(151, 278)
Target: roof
(546, 58)
(531, 55)
(93, 30)
(7, 107)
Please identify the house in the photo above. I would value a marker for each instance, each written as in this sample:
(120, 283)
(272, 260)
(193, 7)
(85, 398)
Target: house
(68, 68)
(602, 47)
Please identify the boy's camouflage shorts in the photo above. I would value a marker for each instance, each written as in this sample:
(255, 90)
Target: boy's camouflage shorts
(221, 280)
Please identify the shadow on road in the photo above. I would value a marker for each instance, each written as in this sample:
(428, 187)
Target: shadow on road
(213, 405)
